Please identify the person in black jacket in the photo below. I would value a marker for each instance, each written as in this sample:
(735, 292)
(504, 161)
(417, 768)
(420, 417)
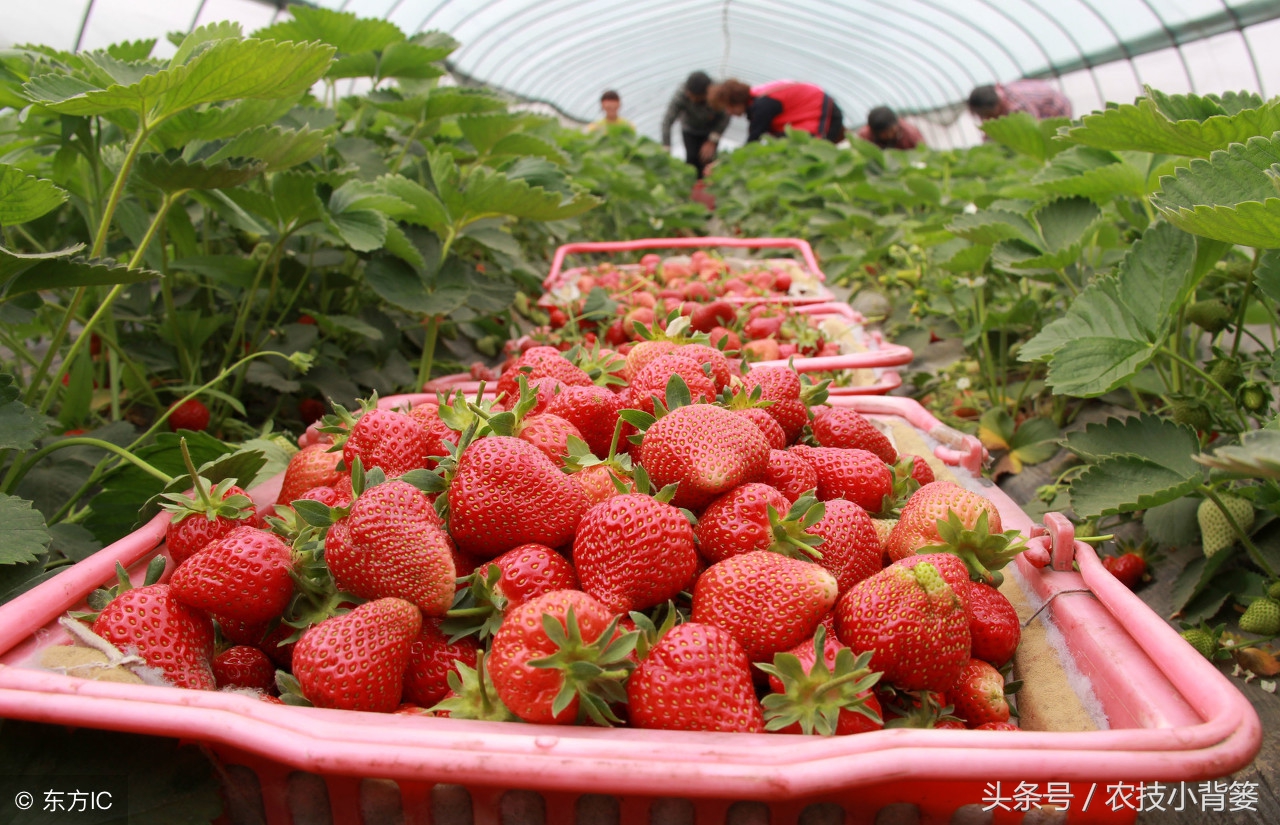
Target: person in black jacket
(700, 124)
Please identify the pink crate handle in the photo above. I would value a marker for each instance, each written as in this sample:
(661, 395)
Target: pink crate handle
(889, 355)
(955, 448)
(806, 251)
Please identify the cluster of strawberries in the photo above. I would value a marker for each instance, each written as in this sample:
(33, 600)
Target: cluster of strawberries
(713, 296)
(661, 539)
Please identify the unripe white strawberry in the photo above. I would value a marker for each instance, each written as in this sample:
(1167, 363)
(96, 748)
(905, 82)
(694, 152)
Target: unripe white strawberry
(1215, 531)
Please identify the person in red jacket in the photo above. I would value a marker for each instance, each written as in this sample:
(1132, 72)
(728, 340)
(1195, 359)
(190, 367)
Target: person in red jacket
(886, 130)
(772, 107)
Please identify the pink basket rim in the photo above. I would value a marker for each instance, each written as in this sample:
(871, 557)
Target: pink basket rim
(632, 761)
(802, 246)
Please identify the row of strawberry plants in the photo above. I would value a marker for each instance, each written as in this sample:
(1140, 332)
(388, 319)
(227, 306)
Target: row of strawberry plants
(1127, 257)
(183, 249)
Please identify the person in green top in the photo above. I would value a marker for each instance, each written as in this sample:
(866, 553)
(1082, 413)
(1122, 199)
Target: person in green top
(701, 125)
(610, 102)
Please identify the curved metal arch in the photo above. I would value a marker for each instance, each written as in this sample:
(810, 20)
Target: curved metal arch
(1050, 66)
(570, 69)
(941, 72)
(430, 15)
(670, 21)
(1121, 43)
(1173, 42)
(1097, 84)
(1248, 47)
(84, 24)
(968, 24)
(195, 17)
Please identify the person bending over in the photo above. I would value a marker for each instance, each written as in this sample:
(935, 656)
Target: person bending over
(1035, 97)
(700, 125)
(886, 130)
(772, 107)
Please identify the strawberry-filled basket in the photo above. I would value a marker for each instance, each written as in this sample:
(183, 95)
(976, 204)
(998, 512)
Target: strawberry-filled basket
(699, 277)
(1111, 697)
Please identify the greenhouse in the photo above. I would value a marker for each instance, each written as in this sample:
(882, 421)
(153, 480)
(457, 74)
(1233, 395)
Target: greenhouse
(597, 412)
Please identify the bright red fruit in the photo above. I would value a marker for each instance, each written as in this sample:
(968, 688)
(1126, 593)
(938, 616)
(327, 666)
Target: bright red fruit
(912, 622)
(850, 548)
(312, 466)
(918, 525)
(978, 695)
(191, 414)
(633, 552)
(243, 666)
(706, 450)
(593, 410)
(738, 521)
(530, 692)
(169, 635)
(357, 660)
(505, 493)
(244, 575)
(1128, 568)
(391, 441)
(993, 624)
(391, 544)
(857, 475)
(697, 677)
(790, 474)
(767, 601)
(650, 382)
(850, 430)
(204, 518)
(812, 695)
(432, 657)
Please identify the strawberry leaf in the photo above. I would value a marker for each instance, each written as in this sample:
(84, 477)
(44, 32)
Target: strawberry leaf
(23, 534)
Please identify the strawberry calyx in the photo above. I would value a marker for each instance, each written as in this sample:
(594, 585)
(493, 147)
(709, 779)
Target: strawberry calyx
(791, 536)
(593, 672)
(472, 695)
(602, 368)
(478, 607)
(677, 395)
(739, 398)
(675, 328)
(904, 484)
(920, 709)
(983, 552)
(814, 698)
(210, 502)
(649, 632)
(811, 393)
(103, 596)
(337, 425)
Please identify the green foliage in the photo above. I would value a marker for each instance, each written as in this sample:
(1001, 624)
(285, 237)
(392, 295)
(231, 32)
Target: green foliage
(1234, 196)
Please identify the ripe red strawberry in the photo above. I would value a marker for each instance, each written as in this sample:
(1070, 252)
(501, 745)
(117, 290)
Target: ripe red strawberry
(738, 521)
(243, 666)
(732, 343)
(978, 695)
(770, 428)
(310, 410)
(205, 517)
(191, 414)
(993, 624)
(312, 466)
(550, 434)
(831, 695)
(494, 588)
(706, 450)
(953, 571)
(651, 382)
(697, 677)
(436, 430)
(390, 544)
(505, 492)
(642, 353)
(856, 475)
(432, 657)
(593, 410)
(767, 601)
(540, 362)
(708, 358)
(912, 622)
(633, 551)
(357, 660)
(327, 496)
(709, 316)
(850, 548)
(244, 575)
(169, 635)
(790, 474)
(1128, 568)
(848, 429)
(596, 483)
(561, 631)
(391, 441)
(782, 386)
(918, 523)
(920, 469)
(998, 726)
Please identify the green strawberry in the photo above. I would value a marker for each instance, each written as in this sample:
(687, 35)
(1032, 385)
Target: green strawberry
(1274, 590)
(1211, 315)
(1261, 617)
(1204, 640)
(1215, 531)
(1254, 396)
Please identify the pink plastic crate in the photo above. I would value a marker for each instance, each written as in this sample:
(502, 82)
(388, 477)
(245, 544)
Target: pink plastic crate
(559, 276)
(1171, 717)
